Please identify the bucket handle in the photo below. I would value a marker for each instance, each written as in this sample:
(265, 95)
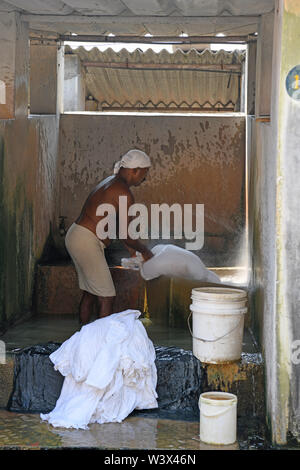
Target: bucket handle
(216, 339)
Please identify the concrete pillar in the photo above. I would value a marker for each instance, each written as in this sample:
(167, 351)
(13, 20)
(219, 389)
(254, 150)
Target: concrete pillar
(288, 220)
(14, 60)
(46, 63)
(276, 246)
(74, 86)
(264, 65)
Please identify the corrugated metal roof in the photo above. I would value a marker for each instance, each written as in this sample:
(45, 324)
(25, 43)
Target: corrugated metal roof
(161, 89)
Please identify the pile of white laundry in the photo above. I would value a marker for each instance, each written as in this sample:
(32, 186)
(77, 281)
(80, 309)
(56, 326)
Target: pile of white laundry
(173, 261)
(109, 369)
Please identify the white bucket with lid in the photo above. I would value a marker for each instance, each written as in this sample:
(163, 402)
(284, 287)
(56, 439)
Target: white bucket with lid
(218, 323)
(218, 417)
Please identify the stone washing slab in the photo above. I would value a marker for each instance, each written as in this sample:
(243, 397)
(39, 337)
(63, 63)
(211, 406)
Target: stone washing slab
(6, 379)
(57, 291)
(181, 379)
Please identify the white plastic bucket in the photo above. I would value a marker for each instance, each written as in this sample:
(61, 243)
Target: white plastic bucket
(218, 323)
(218, 416)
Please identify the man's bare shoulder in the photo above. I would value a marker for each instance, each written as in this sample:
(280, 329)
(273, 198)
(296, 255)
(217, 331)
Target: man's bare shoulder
(110, 190)
(120, 188)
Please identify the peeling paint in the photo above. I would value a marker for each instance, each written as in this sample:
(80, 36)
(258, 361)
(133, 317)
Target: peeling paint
(189, 163)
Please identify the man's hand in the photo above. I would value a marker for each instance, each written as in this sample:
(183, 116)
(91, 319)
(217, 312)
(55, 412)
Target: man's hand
(147, 254)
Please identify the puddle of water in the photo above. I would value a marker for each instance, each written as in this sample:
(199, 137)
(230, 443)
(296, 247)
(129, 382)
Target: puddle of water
(28, 431)
(143, 430)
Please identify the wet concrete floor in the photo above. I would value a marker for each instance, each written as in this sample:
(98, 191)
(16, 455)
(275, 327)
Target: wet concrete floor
(141, 430)
(150, 429)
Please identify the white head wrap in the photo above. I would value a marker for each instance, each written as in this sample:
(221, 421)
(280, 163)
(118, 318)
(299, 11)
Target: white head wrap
(133, 159)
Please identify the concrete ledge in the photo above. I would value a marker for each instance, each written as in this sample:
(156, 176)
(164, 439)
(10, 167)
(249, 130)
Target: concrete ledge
(244, 378)
(181, 379)
(57, 290)
(6, 379)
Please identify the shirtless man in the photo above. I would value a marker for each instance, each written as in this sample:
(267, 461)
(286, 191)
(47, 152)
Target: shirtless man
(87, 250)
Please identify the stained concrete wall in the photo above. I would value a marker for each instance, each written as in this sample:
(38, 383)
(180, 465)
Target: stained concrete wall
(74, 84)
(262, 210)
(28, 178)
(27, 192)
(14, 66)
(46, 78)
(274, 201)
(288, 196)
(43, 79)
(262, 219)
(264, 65)
(196, 159)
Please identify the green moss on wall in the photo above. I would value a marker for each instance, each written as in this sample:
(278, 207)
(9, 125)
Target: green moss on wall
(28, 152)
(16, 260)
(19, 263)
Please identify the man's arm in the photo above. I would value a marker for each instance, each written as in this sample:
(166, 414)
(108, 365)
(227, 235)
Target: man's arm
(136, 245)
(132, 252)
(131, 244)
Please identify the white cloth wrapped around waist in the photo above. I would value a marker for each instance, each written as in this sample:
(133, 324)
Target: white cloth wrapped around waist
(109, 369)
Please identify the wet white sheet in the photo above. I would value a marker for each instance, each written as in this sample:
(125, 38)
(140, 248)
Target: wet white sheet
(173, 261)
(109, 369)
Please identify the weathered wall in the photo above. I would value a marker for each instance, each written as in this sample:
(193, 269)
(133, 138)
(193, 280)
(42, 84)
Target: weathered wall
(288, 250)
(262, 210)
(274, 207)
(28, 175)
(196, 159)
(27, 192)
(7, 70)
(14, 66)
(74, 84)
(43, 79)
(264, 65)
(263, 207)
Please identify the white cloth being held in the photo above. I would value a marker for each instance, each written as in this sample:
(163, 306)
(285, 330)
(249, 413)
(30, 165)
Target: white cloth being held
(173, 261)
(134, 262)
(109, 369)
(133, 159)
